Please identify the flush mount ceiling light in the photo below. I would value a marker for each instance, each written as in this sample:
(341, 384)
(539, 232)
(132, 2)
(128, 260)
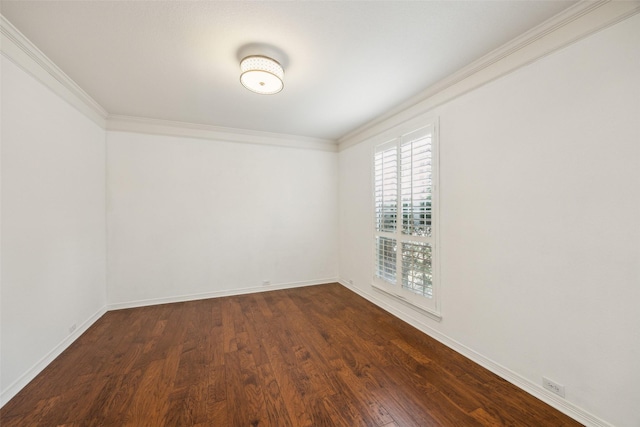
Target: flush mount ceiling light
(261, 74)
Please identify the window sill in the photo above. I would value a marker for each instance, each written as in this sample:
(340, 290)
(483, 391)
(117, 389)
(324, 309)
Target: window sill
(432, 314)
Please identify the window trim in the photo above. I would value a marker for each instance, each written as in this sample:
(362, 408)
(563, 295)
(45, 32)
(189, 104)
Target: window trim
(393, 138)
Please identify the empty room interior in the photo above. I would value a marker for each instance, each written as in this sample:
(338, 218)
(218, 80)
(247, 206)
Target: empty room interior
(405, 213)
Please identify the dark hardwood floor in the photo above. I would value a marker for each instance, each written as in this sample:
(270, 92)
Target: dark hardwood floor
(314, 356)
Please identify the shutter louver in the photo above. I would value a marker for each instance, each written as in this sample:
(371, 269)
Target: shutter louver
(416, 268)
(386, 190)
(386, 259)
(416, 186)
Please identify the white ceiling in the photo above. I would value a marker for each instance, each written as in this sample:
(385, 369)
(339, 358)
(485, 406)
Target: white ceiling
(346, 62)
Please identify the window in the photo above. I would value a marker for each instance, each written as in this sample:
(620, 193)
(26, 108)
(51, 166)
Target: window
(405, 172)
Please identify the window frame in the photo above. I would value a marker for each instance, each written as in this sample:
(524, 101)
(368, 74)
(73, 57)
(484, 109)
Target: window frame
(394, 138)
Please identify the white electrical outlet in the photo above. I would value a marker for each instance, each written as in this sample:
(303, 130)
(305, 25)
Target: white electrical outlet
(553, 386)
(72, 328)
(266, 283)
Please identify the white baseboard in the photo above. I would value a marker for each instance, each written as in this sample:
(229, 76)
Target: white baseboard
(562, 405)
(534, 389)
(217, 294)
(28, 376)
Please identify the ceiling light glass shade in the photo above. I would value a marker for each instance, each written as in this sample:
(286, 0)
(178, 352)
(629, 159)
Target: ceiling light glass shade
(261, 74)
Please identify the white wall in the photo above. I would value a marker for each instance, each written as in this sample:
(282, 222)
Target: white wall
(53, 226)
(188, 217)
(540, 237)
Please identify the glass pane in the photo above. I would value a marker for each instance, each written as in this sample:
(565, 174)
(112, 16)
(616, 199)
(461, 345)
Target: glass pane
(386, 259)
(386, 190)
(416, 186)
(416, 268)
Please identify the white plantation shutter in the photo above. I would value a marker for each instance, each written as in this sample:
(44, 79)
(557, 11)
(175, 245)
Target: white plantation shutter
(386, 259)
(386, 189)
(405, 231)
(416, 268)
(416, 187)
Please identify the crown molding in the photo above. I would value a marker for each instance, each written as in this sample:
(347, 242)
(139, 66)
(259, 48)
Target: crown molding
(194, 130)
(16, 47)
(573, 24)
(569, 26)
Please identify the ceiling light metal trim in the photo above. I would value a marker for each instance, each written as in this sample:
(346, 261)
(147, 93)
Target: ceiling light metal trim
(261, 74)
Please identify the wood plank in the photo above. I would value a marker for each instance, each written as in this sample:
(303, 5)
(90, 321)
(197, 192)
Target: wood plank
(150, 403)
(275, 406)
